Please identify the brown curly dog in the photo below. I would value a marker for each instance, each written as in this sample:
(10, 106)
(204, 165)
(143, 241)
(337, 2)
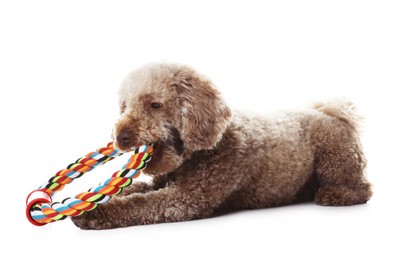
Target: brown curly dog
(209, 160)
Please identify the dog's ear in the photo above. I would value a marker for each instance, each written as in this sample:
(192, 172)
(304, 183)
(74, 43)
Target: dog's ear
(204, 115)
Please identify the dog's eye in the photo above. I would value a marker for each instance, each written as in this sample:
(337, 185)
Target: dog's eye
(155, 105)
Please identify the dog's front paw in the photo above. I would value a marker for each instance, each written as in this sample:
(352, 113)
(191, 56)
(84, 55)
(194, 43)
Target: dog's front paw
(92, 220)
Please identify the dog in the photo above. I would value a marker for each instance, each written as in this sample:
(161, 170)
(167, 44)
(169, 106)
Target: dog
(210, 160)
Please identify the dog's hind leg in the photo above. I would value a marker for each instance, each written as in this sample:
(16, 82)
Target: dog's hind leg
(339, 159)
(339, 167)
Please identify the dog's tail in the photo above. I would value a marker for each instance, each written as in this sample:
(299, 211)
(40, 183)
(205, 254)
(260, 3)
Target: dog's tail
(342, 109)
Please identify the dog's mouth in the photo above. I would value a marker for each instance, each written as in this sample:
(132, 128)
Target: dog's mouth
(155, 145)
(167, 153)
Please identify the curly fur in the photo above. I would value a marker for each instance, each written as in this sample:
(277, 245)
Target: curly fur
(208, 159)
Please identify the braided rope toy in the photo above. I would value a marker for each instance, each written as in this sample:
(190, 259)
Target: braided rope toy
(39, 207)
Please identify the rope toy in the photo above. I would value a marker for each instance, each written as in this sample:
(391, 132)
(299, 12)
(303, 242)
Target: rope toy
(39, 207)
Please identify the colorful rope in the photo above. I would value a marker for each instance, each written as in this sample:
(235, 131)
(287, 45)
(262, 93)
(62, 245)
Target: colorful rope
(39, 212)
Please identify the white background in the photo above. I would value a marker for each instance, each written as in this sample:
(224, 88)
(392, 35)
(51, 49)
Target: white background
(60, 67)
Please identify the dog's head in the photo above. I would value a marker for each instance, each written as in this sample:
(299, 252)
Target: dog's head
(173, 108)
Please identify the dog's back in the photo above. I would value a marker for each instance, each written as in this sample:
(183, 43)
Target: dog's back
(314, 151)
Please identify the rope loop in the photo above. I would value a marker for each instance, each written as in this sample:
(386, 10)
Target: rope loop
(40, 210)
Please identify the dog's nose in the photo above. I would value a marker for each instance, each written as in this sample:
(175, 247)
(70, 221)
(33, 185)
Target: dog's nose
(124, 139)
